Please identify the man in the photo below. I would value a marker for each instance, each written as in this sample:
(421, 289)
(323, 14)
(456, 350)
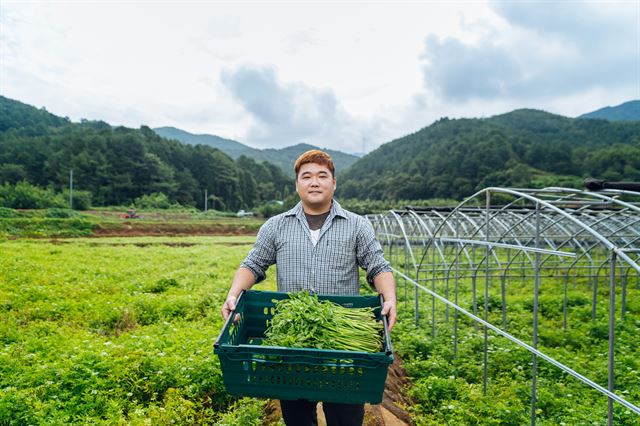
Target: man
(318, 247)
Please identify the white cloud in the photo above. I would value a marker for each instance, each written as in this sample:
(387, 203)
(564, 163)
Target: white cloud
(288, 113)
(338, 75)
(545, 51)
(300, 40)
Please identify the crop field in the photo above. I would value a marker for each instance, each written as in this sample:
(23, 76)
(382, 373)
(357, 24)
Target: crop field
(448, 381)
(114, 331)
(69, 223)
(121, 331)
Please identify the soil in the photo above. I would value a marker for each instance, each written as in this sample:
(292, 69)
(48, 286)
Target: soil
(150, 244)
(136, 229)
(391, 412)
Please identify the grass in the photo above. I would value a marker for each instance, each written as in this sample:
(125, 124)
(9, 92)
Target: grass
(448, 387)
(121, 330)
(114, 331)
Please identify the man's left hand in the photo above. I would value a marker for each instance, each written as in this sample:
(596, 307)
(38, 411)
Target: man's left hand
(389, 309)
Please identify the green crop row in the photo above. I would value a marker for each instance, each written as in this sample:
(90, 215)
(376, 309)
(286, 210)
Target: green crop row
(121, 330)
(114, 331)
(448, 387)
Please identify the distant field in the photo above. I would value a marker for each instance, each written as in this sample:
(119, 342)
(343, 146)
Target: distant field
(67, 223)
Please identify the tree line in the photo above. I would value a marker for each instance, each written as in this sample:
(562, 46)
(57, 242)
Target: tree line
(450, 159)
(524, 148)
(116, 165)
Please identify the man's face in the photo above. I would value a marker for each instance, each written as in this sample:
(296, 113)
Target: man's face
(315, 185)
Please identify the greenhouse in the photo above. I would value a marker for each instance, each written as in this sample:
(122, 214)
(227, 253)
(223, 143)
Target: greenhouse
(550, 270)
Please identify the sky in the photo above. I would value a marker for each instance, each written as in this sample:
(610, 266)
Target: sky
(342, 75)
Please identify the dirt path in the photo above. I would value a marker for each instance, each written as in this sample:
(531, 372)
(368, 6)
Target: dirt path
(391, 412)
(374, 415)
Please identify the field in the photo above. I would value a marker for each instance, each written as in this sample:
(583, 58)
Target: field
(120, 331)
(447, 382)
(108, 222)
(114, 331)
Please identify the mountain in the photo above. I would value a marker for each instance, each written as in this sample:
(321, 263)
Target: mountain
(628, 111)
(117, 165)
(448, 159)
(523, 148)
(230, 147)
(286, 157)
(283, 158)
(14, 114)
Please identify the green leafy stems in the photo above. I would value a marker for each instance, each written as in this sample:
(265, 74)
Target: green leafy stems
(304, 321)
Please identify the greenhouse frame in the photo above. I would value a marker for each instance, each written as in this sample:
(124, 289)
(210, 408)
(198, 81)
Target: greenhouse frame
(453, 263)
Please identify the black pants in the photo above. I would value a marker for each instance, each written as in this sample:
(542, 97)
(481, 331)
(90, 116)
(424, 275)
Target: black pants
(303, 413)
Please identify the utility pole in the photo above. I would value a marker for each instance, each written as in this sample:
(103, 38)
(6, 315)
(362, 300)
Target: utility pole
(71, 189)
(206, 201)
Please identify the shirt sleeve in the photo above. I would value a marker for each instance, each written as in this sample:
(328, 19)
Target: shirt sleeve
(369, 252)
(263, 253)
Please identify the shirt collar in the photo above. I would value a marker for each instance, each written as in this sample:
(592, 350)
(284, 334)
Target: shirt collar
(336, 210)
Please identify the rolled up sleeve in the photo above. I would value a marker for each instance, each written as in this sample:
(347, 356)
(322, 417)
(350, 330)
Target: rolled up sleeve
(263, 253)
(369, 252)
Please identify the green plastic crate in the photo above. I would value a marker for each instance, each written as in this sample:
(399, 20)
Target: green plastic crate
(250, 369)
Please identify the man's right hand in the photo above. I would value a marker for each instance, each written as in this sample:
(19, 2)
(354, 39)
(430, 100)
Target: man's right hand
(242, 280)
(228, 306)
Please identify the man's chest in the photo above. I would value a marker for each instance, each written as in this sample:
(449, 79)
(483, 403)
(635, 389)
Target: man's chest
(335, 243)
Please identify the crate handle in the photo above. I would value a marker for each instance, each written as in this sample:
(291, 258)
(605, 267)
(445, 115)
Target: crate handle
(385, 323)
(229, 318)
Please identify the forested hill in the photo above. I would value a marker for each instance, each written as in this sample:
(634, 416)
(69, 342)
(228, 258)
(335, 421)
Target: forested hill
(449, 159)
(118, 164)
(233, 149)
(284, 157)
(524, 148)
(628, 111)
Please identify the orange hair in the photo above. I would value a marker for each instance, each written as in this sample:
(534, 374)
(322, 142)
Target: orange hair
(317, 157)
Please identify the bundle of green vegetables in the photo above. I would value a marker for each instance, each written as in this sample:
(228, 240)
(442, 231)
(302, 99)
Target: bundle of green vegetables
(304, 321)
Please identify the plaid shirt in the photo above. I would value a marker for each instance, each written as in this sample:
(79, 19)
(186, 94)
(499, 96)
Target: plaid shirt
(346, 241)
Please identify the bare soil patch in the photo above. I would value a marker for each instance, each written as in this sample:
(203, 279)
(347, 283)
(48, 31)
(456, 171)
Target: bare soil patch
(160, 243)
(137, 229)
(145, 244)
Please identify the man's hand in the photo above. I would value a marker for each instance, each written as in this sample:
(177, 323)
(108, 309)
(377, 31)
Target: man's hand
(386, 286)
(389, 309)
(242, 280)
(228, 306)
